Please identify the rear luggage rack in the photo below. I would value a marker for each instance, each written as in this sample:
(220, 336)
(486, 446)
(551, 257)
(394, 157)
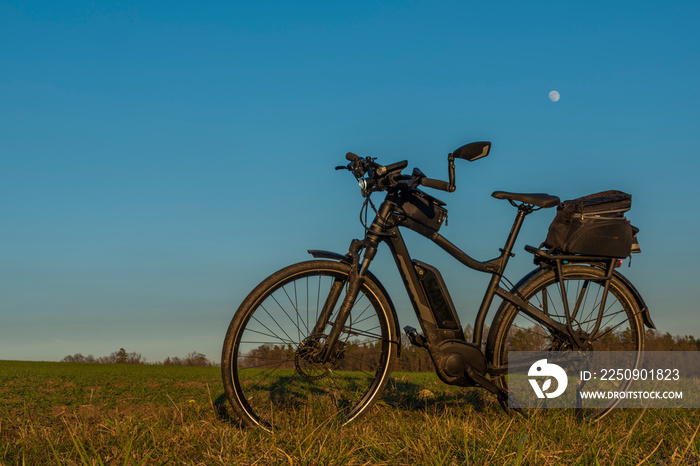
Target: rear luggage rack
(545, 255)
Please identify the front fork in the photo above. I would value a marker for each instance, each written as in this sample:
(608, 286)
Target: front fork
(372, 239)
(352, 285)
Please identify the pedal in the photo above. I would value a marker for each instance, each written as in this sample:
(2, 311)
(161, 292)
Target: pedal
(414, 337)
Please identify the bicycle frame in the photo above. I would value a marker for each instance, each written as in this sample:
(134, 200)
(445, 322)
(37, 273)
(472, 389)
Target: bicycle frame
(392, 236)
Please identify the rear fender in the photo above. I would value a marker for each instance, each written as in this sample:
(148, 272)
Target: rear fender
(642, 305)
(346, 259)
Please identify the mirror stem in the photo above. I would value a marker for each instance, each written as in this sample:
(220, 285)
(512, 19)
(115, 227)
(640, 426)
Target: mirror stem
(451, 171)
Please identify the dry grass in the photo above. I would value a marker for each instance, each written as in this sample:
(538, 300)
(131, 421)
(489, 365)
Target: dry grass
(82, 414)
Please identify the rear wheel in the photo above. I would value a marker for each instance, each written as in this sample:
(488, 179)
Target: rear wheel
(270, 375)
(621, 327)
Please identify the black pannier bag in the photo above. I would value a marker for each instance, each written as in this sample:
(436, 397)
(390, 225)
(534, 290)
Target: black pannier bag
(422, 208)
(593, 225)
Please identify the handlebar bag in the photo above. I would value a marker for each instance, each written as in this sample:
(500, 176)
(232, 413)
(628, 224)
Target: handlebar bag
(593, 225)
(422, 208)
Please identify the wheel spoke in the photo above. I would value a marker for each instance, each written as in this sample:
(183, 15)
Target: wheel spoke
(287, 314)
(289, 339)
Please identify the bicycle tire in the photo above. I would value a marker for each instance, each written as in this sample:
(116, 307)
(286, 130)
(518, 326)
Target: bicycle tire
(512, 329)
(267, 380)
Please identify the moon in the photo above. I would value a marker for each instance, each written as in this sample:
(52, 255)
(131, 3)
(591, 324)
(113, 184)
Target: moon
(554, 96)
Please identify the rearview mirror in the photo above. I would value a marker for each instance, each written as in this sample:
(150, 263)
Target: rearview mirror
(473, 151)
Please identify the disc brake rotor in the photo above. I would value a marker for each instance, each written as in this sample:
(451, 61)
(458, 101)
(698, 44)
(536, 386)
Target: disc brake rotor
(305, 358)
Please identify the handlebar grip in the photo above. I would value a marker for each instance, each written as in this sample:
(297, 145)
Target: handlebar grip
(435, 184)
(352, 157)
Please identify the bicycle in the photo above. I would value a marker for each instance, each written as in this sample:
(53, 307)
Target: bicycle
(315, 340)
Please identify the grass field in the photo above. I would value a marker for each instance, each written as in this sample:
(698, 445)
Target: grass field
(92, 414)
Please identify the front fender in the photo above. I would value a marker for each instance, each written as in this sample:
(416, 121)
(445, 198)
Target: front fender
(322, 254)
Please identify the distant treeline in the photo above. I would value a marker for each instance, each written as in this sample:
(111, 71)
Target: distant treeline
(415, 359)
(363, 355)
(657, 341)
(123, 357)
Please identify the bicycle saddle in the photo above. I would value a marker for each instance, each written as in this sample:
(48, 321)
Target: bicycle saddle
(536, 199)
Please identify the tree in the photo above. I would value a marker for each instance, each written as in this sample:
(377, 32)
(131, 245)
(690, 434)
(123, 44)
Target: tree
(192, 359)
(196, 359)
(121, 356)
(78, 357)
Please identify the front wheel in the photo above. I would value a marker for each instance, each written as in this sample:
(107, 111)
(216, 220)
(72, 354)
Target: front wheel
(270, 376)
(620, 329)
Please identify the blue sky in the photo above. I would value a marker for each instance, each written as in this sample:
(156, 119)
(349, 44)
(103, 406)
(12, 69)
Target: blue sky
(159, 159)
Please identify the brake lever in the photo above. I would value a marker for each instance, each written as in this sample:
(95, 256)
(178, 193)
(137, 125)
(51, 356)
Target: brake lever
(417, 173)
(355, 167)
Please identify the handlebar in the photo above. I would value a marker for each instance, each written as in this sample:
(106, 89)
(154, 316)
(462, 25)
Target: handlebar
(436, 184)
(381, 177)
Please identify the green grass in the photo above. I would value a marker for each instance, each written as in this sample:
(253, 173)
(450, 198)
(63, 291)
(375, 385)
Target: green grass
(91, 414)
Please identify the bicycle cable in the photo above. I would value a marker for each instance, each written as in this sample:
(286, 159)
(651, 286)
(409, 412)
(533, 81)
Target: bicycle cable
(512, 287)
(365, 209)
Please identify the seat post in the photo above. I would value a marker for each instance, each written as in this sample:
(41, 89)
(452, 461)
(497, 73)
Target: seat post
(523, 210)
(506, 253)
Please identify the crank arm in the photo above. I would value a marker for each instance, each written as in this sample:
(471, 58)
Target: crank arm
(483, 382)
